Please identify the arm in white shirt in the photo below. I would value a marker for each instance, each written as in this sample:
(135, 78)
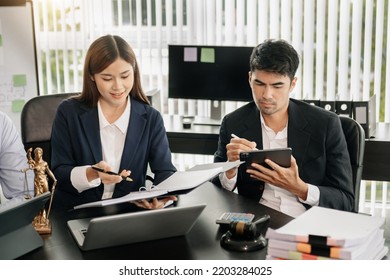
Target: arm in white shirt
(229, 184)
(13, 181)
(313, 196)
(79, 180)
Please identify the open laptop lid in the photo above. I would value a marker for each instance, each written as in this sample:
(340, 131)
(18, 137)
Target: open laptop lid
(134, 227)
(22, 213)
(17, 235)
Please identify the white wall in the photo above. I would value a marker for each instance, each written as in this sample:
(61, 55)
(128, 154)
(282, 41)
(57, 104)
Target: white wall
(18, 80)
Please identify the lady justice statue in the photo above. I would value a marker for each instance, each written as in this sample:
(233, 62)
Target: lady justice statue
(41, 170)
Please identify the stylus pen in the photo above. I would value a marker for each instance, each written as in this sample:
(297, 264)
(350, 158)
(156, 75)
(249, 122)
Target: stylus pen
(111, 173)
(235, 136)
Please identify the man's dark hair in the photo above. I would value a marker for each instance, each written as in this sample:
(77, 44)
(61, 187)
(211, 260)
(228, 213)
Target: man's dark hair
(276, 56)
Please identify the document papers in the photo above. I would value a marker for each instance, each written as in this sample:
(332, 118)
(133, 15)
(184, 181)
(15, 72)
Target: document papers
(323, 233)
(225, 166)
(178, 182)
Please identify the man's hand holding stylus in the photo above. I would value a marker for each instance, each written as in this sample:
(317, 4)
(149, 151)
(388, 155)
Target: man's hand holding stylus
(233, 150)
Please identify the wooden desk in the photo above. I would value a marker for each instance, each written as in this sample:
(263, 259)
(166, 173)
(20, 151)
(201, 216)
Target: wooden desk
(202, 242)
(203, 139)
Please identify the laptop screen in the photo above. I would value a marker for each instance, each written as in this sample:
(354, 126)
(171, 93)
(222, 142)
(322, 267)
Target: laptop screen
(21, 213)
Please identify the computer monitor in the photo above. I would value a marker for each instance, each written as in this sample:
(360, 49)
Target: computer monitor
(217, 73)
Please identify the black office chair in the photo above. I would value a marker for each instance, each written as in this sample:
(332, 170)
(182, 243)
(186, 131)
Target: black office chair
(37, 119)
(355, 137)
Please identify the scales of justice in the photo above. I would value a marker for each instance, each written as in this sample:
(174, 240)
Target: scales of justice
(41, 170)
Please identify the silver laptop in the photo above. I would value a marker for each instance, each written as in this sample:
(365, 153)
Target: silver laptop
(134, 227)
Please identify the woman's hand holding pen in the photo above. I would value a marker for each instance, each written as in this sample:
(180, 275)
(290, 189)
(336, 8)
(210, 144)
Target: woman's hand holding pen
(103, 171)
(155, 203)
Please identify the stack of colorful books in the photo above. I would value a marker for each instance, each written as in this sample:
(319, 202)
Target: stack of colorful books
(328, 234)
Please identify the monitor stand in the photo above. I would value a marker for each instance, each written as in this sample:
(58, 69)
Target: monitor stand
(215, 115)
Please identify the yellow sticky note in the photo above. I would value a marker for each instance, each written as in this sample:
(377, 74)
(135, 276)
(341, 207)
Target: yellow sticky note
(19, 80)
(207, 55)
(17, 105)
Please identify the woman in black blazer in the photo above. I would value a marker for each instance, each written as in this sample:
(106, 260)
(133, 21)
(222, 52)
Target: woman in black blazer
(109, 125)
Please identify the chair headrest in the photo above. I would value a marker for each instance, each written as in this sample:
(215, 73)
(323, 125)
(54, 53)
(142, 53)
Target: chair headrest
(38, 115)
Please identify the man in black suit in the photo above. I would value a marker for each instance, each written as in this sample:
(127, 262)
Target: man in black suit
(320, 172)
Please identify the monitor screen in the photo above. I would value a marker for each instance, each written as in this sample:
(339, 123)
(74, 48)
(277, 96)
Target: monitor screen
(209, 72)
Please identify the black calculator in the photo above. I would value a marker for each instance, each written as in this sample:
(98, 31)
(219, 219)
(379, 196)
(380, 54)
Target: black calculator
(228, 217)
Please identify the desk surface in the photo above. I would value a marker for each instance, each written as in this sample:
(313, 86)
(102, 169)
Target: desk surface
(202, 242)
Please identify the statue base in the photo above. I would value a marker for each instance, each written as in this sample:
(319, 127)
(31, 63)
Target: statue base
(43, 229)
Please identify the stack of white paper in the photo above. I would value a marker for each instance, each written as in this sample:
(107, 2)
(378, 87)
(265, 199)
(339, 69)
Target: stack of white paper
(323, 233)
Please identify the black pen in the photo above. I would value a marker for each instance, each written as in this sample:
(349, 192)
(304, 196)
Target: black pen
(111, 173)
